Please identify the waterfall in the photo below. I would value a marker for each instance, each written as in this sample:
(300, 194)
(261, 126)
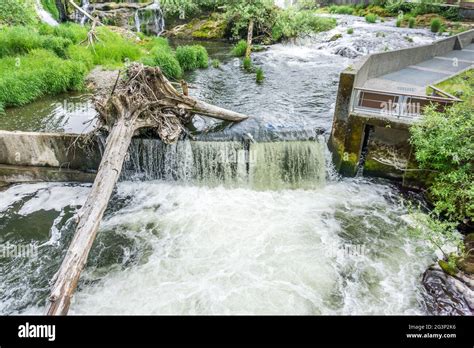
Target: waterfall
(261, 166)
(85, 4)
(284, 3)
(150, 19)
(44, 15)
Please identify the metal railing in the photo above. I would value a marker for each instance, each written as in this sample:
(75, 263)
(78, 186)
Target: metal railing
(400, 105)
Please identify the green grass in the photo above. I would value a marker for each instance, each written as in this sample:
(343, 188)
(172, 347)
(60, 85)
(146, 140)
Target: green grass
(399, 22)
(247, 64)
(435, 25)
(216, 63)
(461, 86)
(411, 22)
(38, 73)
(239, 49)
(259, 75)
(350, 31)
(17, 12)
(165, 59)
(371, 18)
(291, 23)
(72, 31)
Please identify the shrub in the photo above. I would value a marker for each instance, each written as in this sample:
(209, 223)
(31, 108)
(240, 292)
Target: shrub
(350, 31)
(411, 22)
(15, 12)
(291, 23)
(435, 25)
(36, 74)
(167, 62)
(371, 18)
(240, 48)
(113, 49)
(343, 9)
(443, 144)
(259, 75)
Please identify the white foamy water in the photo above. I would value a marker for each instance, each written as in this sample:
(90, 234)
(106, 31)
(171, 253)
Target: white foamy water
(226, 251)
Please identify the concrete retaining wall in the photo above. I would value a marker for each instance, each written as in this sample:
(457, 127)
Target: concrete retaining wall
(386, 62)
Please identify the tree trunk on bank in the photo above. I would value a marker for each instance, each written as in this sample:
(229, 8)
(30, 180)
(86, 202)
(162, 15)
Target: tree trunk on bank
(249, 39)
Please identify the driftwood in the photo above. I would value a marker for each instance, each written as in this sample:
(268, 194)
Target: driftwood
(144, 98)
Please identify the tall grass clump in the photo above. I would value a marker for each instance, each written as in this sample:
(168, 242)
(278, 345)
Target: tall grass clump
(239, 49)
(167, 62)
(350, 31)
(411, 22)
(247, 64)
(192, 57)
(371, 18)
(112, 50)
(435, 25)
(36, 74)
(17, 12)
(259, 77)
(17, 40)
(72, 31)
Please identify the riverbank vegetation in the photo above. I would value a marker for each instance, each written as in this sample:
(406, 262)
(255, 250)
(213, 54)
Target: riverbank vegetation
(443, 143)
(40, 60)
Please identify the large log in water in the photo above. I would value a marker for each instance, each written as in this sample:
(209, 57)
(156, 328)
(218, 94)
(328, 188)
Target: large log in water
(145, 98)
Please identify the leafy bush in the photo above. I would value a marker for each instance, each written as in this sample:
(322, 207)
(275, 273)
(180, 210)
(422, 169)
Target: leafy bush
(36, 74)
(192, 57)
(167, 62)
(443, 144)
(291, 23)
(50, 6)
(371, 18)
(435, 25)
(239, 49)
(342, 9)
(15, 12)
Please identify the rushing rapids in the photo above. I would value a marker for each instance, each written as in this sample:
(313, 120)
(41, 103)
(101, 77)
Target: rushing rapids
(246, 219)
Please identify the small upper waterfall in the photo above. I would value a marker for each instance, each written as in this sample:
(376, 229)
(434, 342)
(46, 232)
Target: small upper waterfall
(261, 166)
(44, 15)
(85, 4)
(150, 19)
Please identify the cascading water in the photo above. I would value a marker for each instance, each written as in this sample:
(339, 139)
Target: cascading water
(150, 19)
(85, 5)
(44, 15)
(262, 166)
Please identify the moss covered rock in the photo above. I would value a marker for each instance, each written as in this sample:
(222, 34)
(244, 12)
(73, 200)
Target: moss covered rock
(212, 28)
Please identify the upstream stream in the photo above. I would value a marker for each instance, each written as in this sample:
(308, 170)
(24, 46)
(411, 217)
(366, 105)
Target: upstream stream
(197, 228)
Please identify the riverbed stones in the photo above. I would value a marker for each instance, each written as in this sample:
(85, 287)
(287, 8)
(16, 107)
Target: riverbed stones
(446, 294)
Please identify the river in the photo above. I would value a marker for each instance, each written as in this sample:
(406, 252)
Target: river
(196, 228)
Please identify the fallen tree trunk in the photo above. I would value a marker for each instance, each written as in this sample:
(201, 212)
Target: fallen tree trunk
(144, 99)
